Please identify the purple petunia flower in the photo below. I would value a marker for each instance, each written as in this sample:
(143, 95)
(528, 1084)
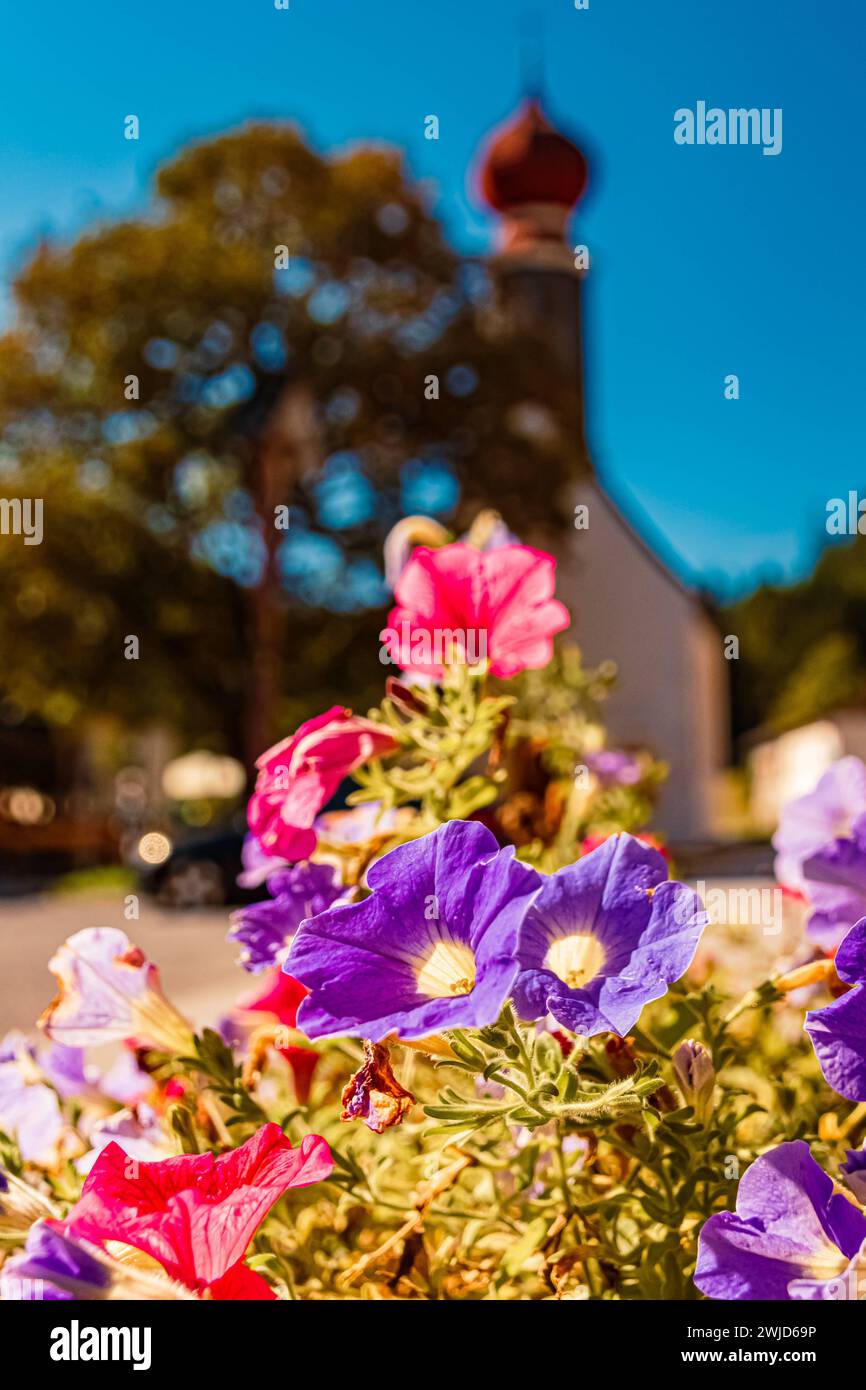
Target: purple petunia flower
(57, 1264)
(265, 929)
(604, 937)
(29, 1110)
(614, 768)
(855, 1173)
(838, 1032)
(109, 992)
(433, 946)
(821, 849)
(791, 1235)
(257, 864)
(68, 1071)
(835, 878)
(54, 1266)
(357, 825)
(138, 1132)
(823, 814)
(73, 1077)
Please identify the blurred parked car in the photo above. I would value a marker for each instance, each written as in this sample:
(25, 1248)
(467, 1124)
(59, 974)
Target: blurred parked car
(201, 871)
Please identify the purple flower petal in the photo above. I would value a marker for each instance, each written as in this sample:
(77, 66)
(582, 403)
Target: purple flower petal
(604, 937)
(57, 1265)
(65, 1068)
(855, 1173)
(614, 768)
(29, 1110)
(433, 946)
(838, 1034)
(811, 821)
(109, 992)
(138, 1132)
(124, 1081)
(850, 960)
(790, 1236)
(265, 929)
(257, 864)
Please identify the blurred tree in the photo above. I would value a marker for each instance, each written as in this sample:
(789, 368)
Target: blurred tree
(278, 330)
(802, 648)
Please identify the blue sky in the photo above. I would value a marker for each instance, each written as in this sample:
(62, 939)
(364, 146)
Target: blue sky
(706, 260)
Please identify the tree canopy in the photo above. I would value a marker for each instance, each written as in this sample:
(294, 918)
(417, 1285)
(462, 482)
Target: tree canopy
(145, 366)
(803, 647)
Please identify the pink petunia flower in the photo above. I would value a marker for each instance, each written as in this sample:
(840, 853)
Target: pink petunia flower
(300, 774)
(494, 605)
(281, 998)
(196, 1214)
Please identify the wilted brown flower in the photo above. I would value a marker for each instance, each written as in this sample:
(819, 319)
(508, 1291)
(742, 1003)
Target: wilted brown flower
(374, 1094)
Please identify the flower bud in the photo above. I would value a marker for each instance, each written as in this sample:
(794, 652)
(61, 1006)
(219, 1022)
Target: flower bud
(696, 1077)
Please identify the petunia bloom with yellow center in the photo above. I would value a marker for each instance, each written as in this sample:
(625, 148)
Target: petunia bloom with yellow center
(605, 936)
(433, 947)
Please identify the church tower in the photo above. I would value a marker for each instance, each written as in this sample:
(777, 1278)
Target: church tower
(626, 603)
(534, 177)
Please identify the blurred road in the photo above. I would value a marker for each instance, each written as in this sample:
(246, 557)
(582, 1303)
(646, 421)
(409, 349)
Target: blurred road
(195, 962)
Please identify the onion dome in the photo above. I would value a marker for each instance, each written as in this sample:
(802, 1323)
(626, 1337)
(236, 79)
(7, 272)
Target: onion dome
(528, 162)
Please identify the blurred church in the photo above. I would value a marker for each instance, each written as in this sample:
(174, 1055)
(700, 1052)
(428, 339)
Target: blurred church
(627, 603)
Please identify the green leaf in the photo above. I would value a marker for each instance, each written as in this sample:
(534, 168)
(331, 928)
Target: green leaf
(527, 1244)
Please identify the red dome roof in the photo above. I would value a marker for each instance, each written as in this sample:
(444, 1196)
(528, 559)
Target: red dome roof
(527, 161)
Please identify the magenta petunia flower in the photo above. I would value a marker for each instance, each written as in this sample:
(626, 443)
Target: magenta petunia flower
(604, 937)
(432, 947)
(838, 1032)
(264, 930)
(496, 605)
(791, 1235)
(109, 992)
(197, 1213)
(300, 774)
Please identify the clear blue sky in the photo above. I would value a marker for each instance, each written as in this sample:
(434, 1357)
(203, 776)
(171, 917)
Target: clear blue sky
(706, 261)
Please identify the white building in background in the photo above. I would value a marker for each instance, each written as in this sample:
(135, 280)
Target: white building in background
(628, 605)
(790, 764)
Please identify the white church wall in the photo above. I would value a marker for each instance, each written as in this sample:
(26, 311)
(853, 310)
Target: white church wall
(671, 692)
